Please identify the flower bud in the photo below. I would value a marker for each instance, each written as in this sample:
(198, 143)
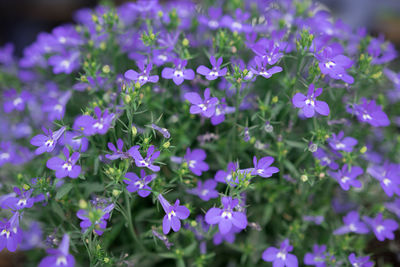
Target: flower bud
(134, 131)
(82, 204)
(363, 149)
(106, 69)
(166, 144)
(274, 99)
(304, 178)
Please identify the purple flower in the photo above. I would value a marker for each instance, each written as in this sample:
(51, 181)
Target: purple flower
(17, 203)
(144, 76)
(382, 228)
(220, 110)
(91, 126)
(173, 215)
(212, 21)
(65, 167)
(10, 233)
(237, 24)
(325, 160)
(64, 63)
(309, 104)
(337, 142)
(268, 51)
(215, 71)
(352, 224)
(227, 176)
(393, 77)
(139, 184)
(96, 218)
(346, 177)
(226, 217)
(228, 237)
(370, 112)
(394, 207)
(147, 162)
(360, 261)
(195, 161)
(205, 107)
(335, 65)
(75, 140)
(318, 257)
(261, 68)
(117, 152)
(7, 153)
(381, 51)
(281, 256)
(55, 107)
(206, 190)
(179, 73)
(32, 238)
(388, 176)
(60, 256)
(262, 167)
(315, 219)
(14, 100)
(48, 141)
(162, 131)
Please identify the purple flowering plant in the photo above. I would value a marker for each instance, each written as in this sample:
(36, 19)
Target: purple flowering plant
(95, 139)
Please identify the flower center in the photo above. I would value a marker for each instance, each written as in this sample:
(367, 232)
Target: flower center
(380, 228)
(226, 214)
(67, 166)
(178, 73)
(192, 163)
(21, 202)
(17, 101)
(49, 142)
(143, 78)
(213, 24)
(281, 255)
(162, 57)
(170, 214)
(330, 64)
(366, 116)
(5, 232)
(236, 25)
(340, 145)
(61, 260)
(4, 155)
(310, 101)
(58, 107)
(204, 192)
(213, 73)
(387, 181)
(139, 184)
(352, 227)
(345, 179)
(65, 63)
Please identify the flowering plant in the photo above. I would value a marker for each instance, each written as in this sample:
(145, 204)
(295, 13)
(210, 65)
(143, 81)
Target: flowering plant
(241, 133)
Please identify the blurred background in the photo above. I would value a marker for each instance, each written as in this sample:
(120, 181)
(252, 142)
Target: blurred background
(22, 20)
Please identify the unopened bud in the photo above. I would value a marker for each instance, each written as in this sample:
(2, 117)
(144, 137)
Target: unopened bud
(304, 178)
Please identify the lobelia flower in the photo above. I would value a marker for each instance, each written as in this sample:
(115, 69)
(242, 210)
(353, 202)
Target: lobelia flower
(335, 65)
(32, 238)
(213, 18)
(227, 176)
(215, 71)
(325, 160)
(220, 110)
(17, 203)
(369, 112)
(204, 107)
(228, 237)
(381, 51)
(117, 152)
(226, 217)
(96, 218)
(237, 24)
(65, 167)
(147, 162)
(318, 257)
(48, 141)
(173, 215)
(281, 256)
(360, 261)
(393, 77)
(346, 177)
(315, 219)
(195, 161)
(352, 224)
(382, 228)
(309, 104)
(67, 62)
(179, 73)
(206, 190)
(388, 176)
(75, 140)
(162, 131)
(262, 167)
(261, 68)
(90, 126)
(139, 184)
(14, 100)
(55, 107)
(337, 142)
(394, 207)
(60, 256)
(144, 76)
(10, 233)
(7, 153)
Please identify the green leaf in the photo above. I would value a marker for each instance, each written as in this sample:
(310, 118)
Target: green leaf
(63, 191)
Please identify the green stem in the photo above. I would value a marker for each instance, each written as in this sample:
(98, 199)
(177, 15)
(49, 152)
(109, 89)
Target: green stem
(130, 223)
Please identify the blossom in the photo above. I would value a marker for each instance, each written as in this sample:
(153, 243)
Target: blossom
(215, 71)
(10, 233)
(48, 141)
(309, 104)
(90, 126)
(360, 261)
(381, 51)
(147, 162)
(394, 207)
(335, 65)
(346, 177)
(55, 107)
(32, 238)
(220, 110)
(369, 112)
(205, 107)
(96, 218)
(179, 73)
(393, 77)
(173, 214)
(67, 62)
(318, 257)
(383, 228)
(195, 161)
(315, 219)
(65, 167)
(75, 140)
(268, 51)
(281, 256)
(117, 152)
(59, 256)
(205, 190)
(25, 200)
(261, 68)
(262, 167)
(14, 100)
(213, 18)
(238, 23)
(228, 175)
(228, 237)
(139, 184)
(352, 224)
(388, 176)
(226, 217)
(162, 131)
(325, 160)
(339, 142)
(144, 76)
